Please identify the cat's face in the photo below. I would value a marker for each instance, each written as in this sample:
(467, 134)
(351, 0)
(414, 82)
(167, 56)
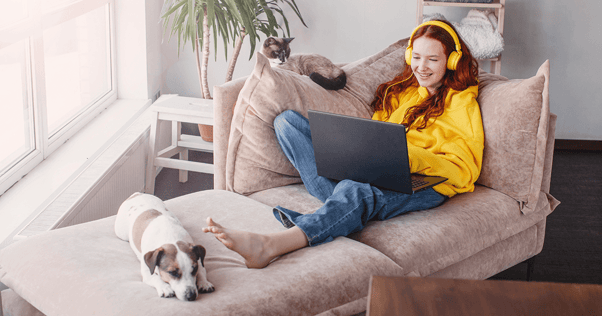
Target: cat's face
(277, 49)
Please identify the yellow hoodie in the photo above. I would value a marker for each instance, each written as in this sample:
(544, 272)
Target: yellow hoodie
(451, 145)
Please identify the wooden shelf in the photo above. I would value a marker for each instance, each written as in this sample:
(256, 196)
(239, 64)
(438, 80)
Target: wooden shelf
(463, 4)
(499, 6)
(178, 109)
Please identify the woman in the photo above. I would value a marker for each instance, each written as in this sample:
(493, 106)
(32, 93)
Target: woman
(435, 98)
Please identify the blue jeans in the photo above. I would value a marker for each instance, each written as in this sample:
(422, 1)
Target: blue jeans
(348, 205)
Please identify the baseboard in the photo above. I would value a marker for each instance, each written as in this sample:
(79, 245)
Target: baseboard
(578, 145)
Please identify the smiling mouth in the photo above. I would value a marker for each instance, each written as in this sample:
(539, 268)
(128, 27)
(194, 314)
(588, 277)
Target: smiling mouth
(424, 76)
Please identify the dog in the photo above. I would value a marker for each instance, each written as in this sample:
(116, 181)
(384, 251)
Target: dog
(169, 261)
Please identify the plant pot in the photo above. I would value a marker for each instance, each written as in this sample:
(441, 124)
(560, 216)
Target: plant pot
(206, 132)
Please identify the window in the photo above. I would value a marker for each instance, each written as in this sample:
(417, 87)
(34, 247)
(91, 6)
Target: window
(56, 74)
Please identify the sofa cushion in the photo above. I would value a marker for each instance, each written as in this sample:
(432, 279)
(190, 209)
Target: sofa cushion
(427, 241)
(87, 270)
(515, 121)
(497, 257)
(255, 161)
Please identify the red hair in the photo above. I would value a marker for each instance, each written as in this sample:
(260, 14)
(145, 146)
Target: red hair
(460, 79)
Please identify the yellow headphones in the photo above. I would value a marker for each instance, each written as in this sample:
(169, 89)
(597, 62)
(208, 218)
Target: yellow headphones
(454, 57)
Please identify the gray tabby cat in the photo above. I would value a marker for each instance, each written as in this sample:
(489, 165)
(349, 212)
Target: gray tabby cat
(319, 68)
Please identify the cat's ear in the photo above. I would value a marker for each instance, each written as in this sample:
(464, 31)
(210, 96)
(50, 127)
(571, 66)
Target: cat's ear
(288, 40)
(269, 41)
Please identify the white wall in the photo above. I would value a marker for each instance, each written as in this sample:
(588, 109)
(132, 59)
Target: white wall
(154, 37)
(131, 49)
(138, 48)
(566, 32)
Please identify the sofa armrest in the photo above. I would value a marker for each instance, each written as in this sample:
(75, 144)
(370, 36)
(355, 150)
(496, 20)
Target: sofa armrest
(224, 100)
(547, 169)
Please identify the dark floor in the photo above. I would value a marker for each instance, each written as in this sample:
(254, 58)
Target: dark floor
(572, 252)
(572, 249)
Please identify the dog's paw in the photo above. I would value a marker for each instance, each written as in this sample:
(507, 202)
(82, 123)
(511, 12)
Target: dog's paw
(206, 287)
(165, 291)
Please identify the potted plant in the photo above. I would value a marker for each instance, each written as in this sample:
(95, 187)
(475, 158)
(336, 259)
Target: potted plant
(232, 20)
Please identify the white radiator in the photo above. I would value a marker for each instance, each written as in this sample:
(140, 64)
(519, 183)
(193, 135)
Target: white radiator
(126, 177)
(100, 189)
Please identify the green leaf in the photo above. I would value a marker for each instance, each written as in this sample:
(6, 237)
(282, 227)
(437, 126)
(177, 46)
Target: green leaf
(211, 13)
(272, 23)
(173, 9)
(198, 30)
(191, 17)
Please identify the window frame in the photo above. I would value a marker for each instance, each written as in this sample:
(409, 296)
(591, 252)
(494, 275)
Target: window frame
(30, 31)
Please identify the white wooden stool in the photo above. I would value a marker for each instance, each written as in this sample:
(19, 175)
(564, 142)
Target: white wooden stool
(178, 110)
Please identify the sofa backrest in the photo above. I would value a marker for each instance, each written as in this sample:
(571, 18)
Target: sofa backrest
(224, 100)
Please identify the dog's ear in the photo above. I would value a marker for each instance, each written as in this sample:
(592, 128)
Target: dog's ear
(200, 252)
(153, 258)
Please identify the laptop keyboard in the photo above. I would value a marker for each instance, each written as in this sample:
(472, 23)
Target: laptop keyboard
(416, 182)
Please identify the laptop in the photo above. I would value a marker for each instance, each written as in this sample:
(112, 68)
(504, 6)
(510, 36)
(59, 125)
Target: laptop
(364, 150)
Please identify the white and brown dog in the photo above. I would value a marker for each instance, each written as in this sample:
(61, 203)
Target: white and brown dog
(169, 261)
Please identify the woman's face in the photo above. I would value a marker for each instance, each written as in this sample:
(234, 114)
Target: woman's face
(429, 62)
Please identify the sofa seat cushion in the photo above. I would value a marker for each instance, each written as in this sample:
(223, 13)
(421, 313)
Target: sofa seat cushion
(87, 270)
(427, 241)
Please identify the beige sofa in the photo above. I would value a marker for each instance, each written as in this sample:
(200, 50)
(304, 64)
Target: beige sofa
(87, 270)
(473, 235)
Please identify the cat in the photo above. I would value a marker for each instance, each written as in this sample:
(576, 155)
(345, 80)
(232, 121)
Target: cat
(319, 68)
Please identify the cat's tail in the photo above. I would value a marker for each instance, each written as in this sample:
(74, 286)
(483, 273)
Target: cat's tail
(327, 83)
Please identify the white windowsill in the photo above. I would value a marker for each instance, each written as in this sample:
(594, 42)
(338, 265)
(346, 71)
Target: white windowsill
(22, 202)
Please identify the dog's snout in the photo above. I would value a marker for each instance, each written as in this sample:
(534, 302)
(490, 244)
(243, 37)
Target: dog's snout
(190, 294)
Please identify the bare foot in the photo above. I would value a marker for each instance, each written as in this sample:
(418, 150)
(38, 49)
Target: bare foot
(254, 248)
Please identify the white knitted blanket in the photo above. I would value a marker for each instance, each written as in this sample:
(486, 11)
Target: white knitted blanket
(479, 30)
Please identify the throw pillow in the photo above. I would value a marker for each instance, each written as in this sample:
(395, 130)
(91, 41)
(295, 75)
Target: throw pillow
(515, 121)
